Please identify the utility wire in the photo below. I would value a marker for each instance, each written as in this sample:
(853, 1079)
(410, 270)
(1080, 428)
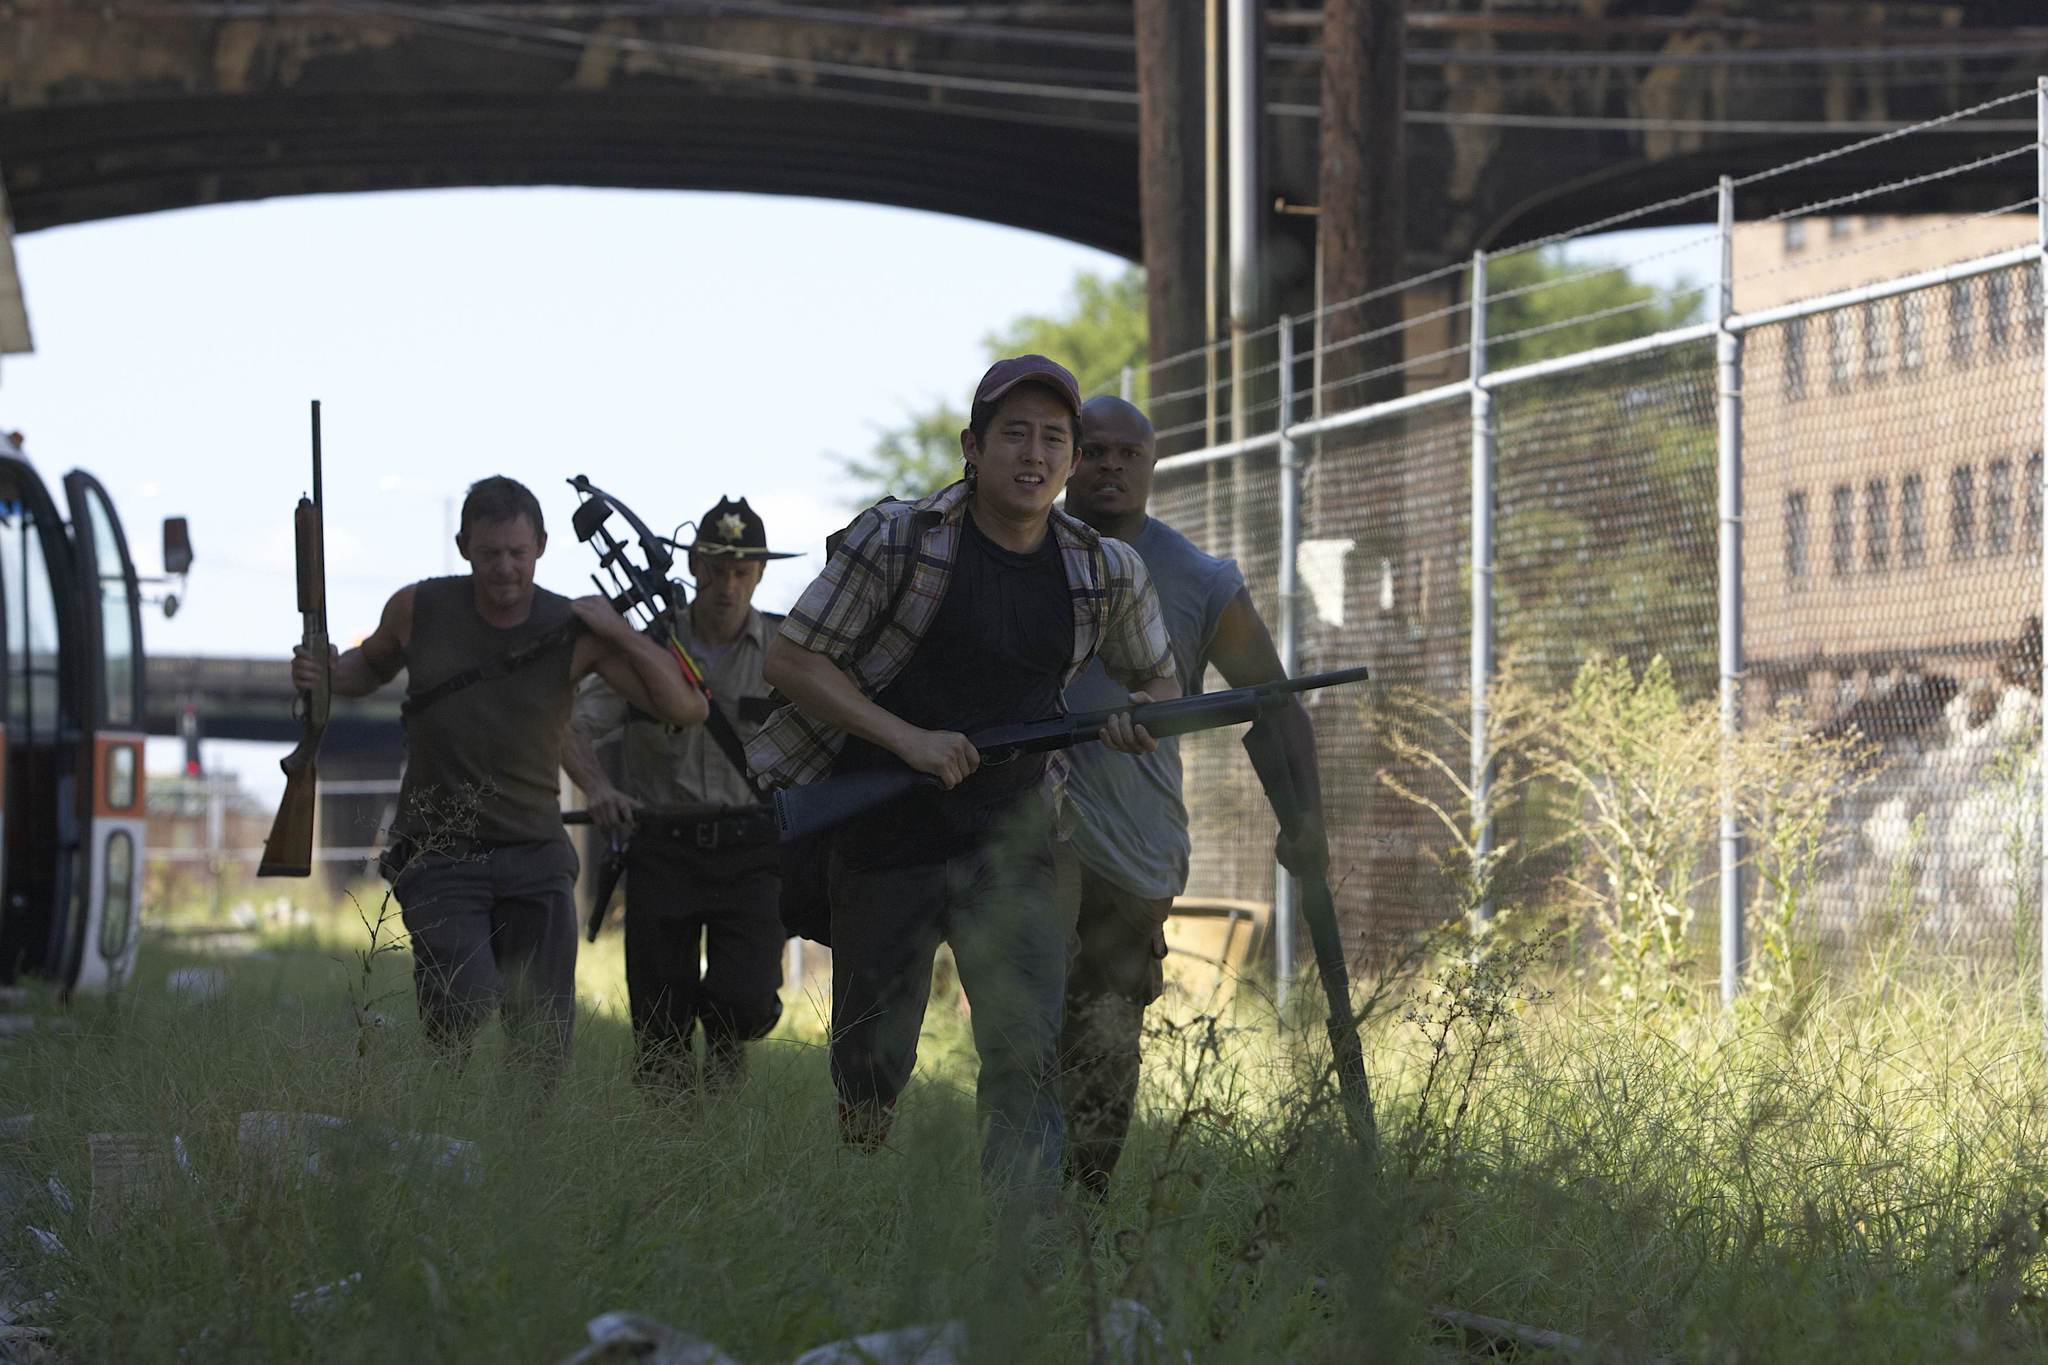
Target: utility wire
(721, 56)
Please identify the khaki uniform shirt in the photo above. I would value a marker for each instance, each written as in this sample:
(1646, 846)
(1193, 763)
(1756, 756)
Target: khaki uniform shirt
(684, 770)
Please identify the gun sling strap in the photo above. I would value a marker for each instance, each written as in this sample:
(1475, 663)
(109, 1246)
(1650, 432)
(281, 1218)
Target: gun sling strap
(500, 667)
(722, 734)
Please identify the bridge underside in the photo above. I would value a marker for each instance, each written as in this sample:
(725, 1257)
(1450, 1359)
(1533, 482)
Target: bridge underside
(71, 164)
(1026, 115)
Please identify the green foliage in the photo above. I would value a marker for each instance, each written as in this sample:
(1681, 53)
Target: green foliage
(1548, 291)
(1788, 781)
(1640, 766)
(910, 461)
(1101, 331)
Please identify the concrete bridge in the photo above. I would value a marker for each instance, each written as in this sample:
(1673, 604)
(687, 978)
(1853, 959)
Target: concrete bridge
(1082, 120)
(251, 699)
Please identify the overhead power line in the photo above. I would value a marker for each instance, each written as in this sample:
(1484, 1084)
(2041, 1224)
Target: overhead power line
(454, 22)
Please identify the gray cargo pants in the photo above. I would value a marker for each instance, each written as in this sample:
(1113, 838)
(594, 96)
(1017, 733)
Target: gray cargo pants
(495, 930)
(995, 904)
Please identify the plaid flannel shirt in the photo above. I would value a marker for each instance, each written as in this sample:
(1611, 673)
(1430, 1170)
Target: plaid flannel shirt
(1116, 615)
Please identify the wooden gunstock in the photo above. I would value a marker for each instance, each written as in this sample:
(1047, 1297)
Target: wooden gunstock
(288, 852)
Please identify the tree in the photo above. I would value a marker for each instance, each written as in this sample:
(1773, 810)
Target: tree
(1548, 290)
(1100, 333)
(921, 456)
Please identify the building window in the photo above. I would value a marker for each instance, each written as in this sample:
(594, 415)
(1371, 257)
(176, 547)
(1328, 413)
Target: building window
(1912, 521)
(1998, 508)
(1838, 227)
(1795, 540)
(1839, 351)
(1795, 358)
(1962, 512)
(1842, 531)
(1998, 310)
(1795, 235)
(1962, 321)
(1874, 342)
(1912, 333)
(1877, 526)
(2031, 517)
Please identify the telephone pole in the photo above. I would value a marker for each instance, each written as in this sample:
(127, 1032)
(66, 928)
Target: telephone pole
(1362, 228)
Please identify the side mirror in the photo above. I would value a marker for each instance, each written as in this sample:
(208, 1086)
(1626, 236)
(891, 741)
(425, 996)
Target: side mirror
(177, 547)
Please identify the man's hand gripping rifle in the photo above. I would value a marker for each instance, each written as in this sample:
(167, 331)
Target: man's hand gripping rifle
(819, 806)
(288, 852)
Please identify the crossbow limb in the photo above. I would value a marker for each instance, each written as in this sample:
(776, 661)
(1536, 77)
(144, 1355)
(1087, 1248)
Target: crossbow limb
(640, 591)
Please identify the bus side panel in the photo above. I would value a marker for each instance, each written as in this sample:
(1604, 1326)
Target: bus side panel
(112, 886)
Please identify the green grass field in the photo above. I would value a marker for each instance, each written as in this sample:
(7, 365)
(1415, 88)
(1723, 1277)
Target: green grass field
(1864, 1181)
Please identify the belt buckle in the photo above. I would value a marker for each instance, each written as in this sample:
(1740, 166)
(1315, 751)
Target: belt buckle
(707, 835)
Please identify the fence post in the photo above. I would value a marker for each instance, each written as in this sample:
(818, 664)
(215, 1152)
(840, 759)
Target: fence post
(1289, 646)
(2041, 240)
(1127, 385)
(1728, 363)
(1483, 441)
(1483, 447)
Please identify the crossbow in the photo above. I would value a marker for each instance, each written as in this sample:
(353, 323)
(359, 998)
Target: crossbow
(640, 591)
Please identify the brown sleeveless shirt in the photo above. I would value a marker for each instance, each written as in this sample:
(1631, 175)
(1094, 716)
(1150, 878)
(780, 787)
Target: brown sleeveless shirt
(496, 744)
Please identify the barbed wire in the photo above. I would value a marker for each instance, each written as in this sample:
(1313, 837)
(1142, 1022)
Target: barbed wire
(1820, 206)
(1411, 363)
(1413, 281)
(1605, 268)
(1893, 239)
(1892, 135)
(1392, 329)
(1580, 320)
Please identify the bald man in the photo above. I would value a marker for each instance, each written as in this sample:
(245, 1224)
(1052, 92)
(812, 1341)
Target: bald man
(1128, 858)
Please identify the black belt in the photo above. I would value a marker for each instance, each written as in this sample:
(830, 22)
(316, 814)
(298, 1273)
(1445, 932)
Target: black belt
(739, 829)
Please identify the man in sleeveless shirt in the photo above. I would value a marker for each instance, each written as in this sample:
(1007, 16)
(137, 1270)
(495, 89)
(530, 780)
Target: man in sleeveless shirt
(1128, 856)
(482, 870)
(972, 608)
(702, 879)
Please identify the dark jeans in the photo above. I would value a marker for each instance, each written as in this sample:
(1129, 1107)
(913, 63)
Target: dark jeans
(495, 930)
(703, 946)
(994, 902)
(1115, 972)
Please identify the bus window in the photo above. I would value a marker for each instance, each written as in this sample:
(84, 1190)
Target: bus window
(31, 627)
(119, 623)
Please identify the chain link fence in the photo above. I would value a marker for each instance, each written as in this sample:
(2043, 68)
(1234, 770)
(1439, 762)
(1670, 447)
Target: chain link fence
(1884, 418)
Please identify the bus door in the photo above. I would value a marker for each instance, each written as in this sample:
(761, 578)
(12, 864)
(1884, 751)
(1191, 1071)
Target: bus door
(42, 929)
(111, 720)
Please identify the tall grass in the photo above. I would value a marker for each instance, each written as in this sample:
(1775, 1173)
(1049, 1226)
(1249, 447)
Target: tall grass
(1864, 1179)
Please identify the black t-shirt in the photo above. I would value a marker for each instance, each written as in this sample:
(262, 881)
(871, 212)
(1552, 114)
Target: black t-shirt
(996, 654)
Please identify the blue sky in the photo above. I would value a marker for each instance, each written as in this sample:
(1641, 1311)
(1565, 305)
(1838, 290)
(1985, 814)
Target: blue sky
(675, 347)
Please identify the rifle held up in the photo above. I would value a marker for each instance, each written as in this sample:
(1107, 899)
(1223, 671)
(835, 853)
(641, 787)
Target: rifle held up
(288, 852)
(818, 806)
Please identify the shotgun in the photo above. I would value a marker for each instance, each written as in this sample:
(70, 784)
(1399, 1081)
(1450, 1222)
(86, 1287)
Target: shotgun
(801, 812)
(288, 852)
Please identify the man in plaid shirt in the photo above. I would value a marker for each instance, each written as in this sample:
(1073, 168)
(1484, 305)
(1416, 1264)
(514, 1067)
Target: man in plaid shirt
(936, 619)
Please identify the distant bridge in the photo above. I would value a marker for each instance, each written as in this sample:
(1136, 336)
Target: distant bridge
(251, 699)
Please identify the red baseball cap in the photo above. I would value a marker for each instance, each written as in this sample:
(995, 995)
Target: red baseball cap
(1005, 375)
